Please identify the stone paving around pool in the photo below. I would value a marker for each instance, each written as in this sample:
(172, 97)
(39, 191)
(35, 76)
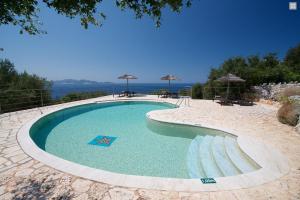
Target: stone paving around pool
(22, 177)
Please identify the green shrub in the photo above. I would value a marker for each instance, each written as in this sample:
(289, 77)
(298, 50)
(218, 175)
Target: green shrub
(289, 113)
(197, 91)
(185, 92)
(158, 92)
(75, 96)
(20, 91)
(250, 96)
(257, 70)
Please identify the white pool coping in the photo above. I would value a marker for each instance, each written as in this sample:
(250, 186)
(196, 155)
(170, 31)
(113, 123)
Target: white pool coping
(273, 163)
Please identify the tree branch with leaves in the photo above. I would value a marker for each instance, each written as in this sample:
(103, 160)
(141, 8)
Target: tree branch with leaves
(24, 13)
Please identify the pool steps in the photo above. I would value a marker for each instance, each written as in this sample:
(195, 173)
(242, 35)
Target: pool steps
(207, 160)
(195, 170)
(217, 156)
(237, 156)
(225, 165)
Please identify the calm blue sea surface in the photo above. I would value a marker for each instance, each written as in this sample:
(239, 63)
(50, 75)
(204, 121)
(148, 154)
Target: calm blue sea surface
(59, 90)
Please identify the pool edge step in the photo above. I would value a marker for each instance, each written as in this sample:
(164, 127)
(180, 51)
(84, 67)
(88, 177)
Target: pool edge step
(194, 170)
(221, 158)
(208, 163)
(237, 156)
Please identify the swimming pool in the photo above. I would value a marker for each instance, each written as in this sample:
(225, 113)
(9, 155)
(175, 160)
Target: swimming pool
(142, 146)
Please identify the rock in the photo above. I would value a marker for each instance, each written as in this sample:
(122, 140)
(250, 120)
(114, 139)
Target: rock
(295, 98)
(289, 113)
(273, 91)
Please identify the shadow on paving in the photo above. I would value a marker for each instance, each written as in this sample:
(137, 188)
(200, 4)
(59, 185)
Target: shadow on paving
(40, 190)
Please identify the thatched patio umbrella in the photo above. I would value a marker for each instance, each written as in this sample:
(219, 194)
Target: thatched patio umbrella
(228, 79)
(127, 77)
(169, 78)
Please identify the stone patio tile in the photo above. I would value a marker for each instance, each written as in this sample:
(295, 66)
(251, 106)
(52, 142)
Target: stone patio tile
(159, 195)
(3, 160)
(122, 193)
(14, 153)
(18, 158)
(2, 190)
(83, 196)
(7, 196)
(11, 149)
(97, 190)
(81, 185)
(24, 172)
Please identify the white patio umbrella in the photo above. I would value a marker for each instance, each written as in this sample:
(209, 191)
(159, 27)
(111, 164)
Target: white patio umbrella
(127, 77)
(169, 78)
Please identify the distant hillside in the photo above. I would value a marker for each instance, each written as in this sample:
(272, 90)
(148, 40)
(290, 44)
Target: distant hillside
(77, 82)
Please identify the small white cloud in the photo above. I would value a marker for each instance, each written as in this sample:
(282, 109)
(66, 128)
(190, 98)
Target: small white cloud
(293, 5)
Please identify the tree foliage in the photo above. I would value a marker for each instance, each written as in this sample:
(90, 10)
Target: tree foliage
(21, 90)
(292, 58)
(75, 96)
(255, 70)
(24, 13)
(197, 91)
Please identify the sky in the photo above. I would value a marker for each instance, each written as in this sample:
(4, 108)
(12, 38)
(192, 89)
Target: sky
(187, 45)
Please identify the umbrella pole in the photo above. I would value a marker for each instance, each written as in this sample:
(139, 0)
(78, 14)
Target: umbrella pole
(127, 85)
(227, 93)
(169, 85)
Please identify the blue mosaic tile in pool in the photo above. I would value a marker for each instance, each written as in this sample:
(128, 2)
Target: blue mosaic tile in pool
(102, 140)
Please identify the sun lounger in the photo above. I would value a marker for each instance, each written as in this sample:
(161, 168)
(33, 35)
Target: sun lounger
(127, 94)
(217, 97)
(173, 95)
(163, 94)
(224, 101)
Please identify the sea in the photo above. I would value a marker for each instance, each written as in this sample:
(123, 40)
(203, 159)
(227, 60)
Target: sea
(60, 90)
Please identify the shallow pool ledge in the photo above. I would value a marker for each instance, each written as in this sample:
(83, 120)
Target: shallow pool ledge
(273, 163)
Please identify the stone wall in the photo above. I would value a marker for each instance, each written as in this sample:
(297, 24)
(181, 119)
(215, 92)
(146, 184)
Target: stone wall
(272, 91)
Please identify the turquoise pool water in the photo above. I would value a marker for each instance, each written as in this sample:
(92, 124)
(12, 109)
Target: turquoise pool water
(142, 146)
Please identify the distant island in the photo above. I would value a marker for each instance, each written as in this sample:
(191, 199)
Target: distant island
(77, 82)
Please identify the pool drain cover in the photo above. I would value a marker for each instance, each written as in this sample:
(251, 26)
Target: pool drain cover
(103, 141)
(208, 180)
